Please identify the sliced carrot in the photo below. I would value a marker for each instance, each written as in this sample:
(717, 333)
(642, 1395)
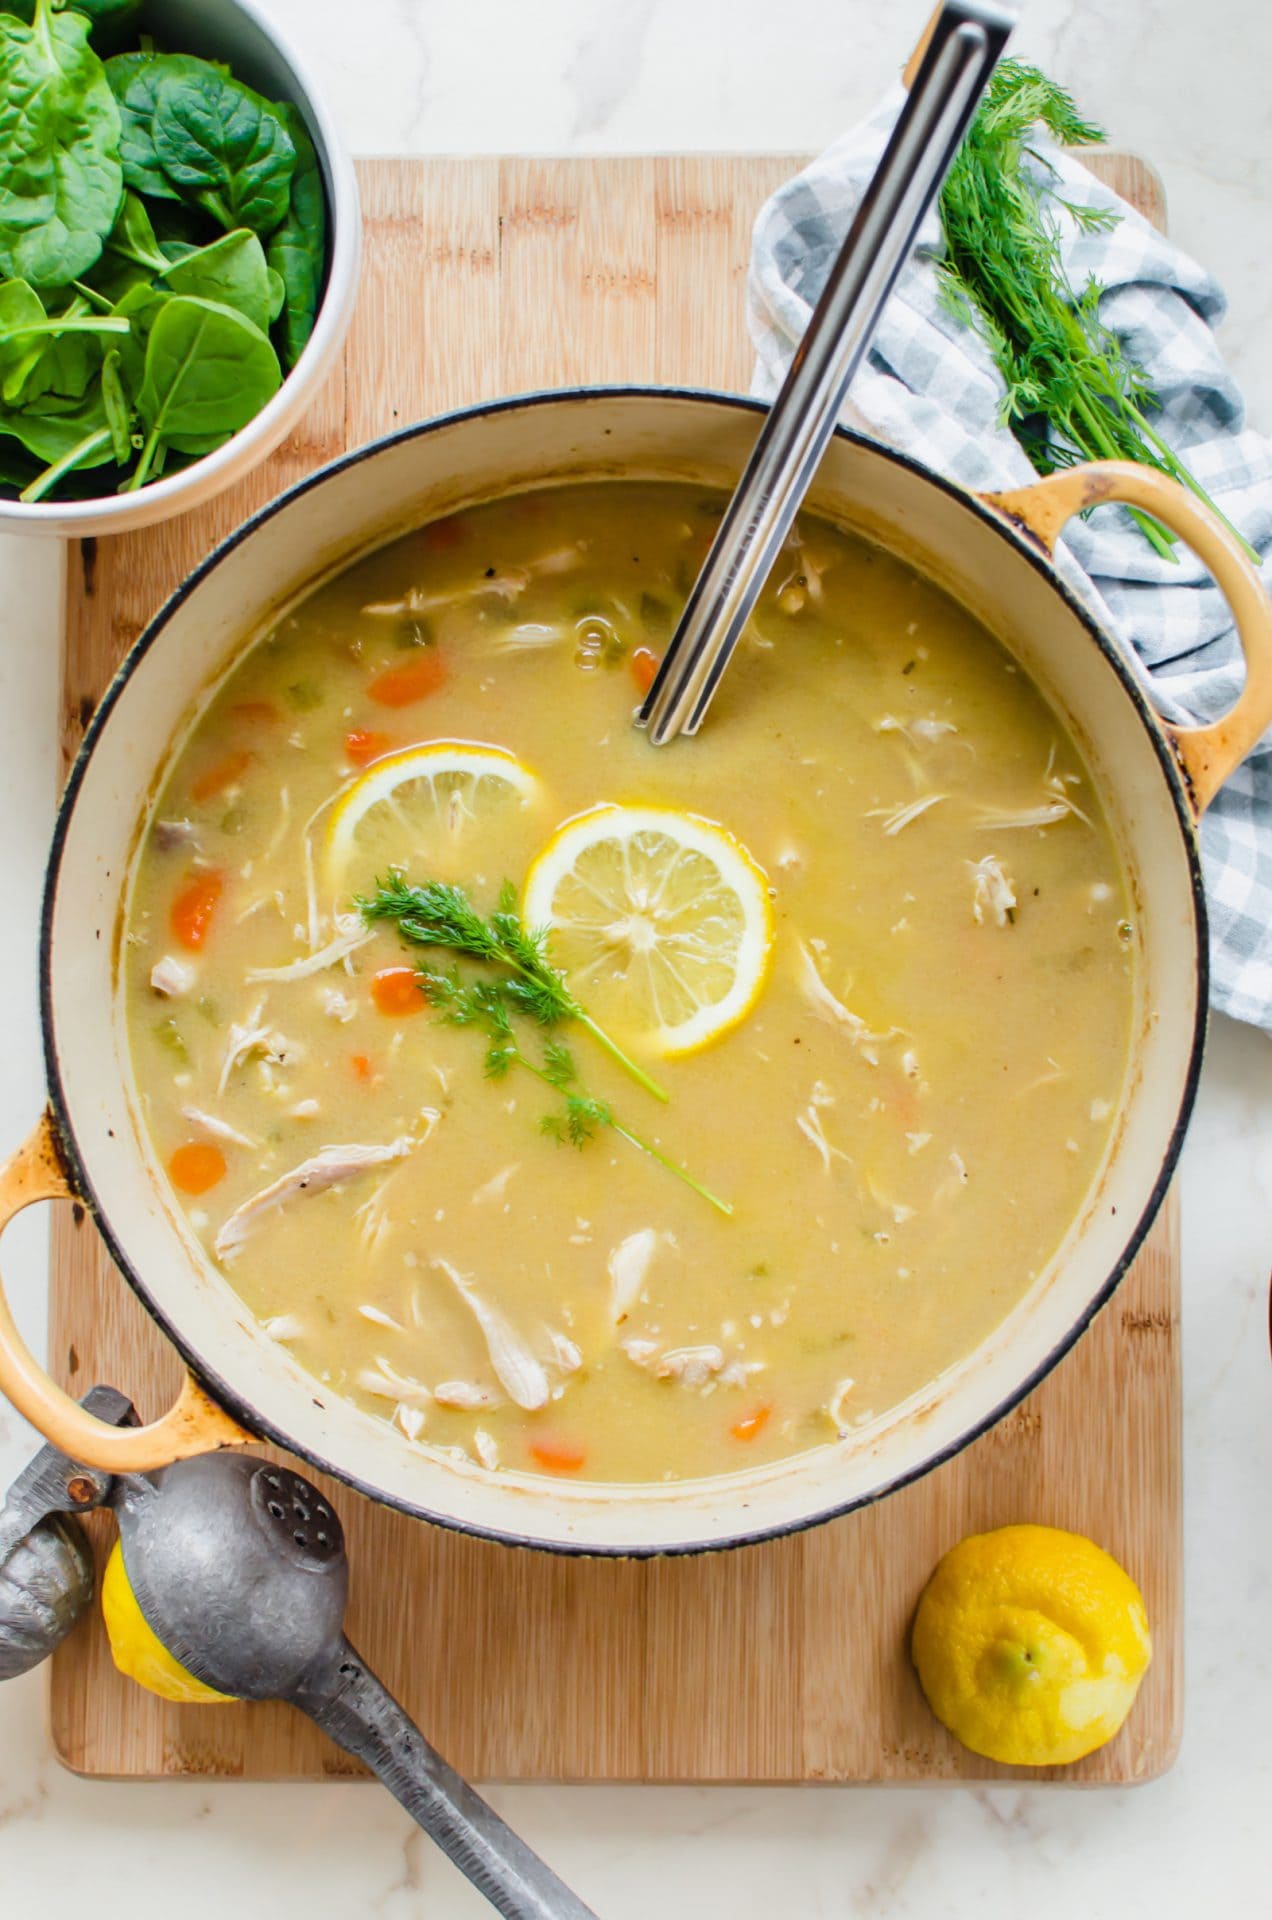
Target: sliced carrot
(752, 1423)
(557, 1456)
(196, 1167)
(644, 664)
(440, 536)
(262, 711)
(414, 680)
(361, 1066)
(191, 914)
(216, 779)
(362, 745)
(396, 991)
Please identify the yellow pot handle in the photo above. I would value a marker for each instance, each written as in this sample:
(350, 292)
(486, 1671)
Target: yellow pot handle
(1206, 755)
(195, 1425)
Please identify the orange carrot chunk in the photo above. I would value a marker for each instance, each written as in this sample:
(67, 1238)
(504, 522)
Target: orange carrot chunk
(192, 912)
(216, 779)
(752, 1423)
(196, 1166)
(557, 1456)
(396, 991)
(415, 680)
(442, 535)
(644, 664)
(363, 745)
(361, 1066)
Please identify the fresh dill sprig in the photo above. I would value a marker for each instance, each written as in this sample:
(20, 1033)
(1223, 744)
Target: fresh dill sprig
(489, 1006)
(439, 915)
(1072, 393)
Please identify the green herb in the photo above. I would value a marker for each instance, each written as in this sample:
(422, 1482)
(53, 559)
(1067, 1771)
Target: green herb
(305, 695)
(488, 1006)
(1072, 393)
(137, 303)
(438, 915)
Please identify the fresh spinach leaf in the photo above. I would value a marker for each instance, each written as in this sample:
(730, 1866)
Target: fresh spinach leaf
(60, 177)
(117, 407)
(140, 307)
(133, 237)
(135, 79)
(48, 353)
(110, 21)
(298, 249)
(53, 437)
(232, 270)
(225, 147)
(208, 372)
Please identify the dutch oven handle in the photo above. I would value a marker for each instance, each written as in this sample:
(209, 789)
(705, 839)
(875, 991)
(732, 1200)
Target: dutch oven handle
(195, 1425)
(1206, 755)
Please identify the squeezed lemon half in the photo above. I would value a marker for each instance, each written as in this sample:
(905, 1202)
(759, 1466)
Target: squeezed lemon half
(1030, 1644)
(136, 1648)
(661, 921)
(437, 809)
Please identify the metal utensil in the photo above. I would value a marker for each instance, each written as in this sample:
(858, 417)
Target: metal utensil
(240, 1568)
(966, 40)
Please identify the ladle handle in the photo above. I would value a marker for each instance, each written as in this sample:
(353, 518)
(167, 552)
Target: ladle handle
(359, 1713)
(964, 43)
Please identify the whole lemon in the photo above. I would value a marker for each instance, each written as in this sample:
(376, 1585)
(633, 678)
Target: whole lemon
(136, 1648)
(1030, 1644)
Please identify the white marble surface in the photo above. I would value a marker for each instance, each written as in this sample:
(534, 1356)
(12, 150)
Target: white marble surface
(1185, 85)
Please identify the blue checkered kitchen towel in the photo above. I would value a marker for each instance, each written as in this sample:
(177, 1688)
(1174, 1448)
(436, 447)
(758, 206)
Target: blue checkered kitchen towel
(931, 389)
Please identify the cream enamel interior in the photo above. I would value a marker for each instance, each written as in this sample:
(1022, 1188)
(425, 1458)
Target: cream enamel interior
(401, 483)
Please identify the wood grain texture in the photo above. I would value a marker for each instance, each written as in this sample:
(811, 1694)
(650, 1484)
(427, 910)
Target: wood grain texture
(782, 1663)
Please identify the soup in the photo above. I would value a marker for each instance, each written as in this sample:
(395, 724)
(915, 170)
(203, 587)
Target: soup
(816, 1061)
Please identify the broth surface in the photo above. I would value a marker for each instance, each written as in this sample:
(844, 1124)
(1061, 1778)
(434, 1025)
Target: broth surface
(905, 1123)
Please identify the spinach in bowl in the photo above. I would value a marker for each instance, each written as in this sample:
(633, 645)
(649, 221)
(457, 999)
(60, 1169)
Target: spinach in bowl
(162, 251)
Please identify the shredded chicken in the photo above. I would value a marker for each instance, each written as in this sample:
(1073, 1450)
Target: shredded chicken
(835, 1407)
(810, 1125)
(497, 1186)
(350, 935)
(518, 1372)
(565, 1352)
(283, 1326)
(410, 1419)
(326, 1168)
(834, 1012)
(251, 1036)
(464, 1395)
(485, 1448)
(381, 1318)
(628, 1267)
(172, 977)
(386, 1383)
(993, 895)
(691, 1366)
(168, 835)
(919, 728)
(895, 819)
(219, 1129)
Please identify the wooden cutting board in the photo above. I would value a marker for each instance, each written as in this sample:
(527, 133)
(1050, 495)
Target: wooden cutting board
(778, 1663)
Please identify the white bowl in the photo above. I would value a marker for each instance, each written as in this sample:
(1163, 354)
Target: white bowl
(237, 32)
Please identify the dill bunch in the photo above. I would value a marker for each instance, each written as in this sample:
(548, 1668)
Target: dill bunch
(489, 1006)
(1072, 394)
(440, 915)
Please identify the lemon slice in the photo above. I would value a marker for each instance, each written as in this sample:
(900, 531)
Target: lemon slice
(660, 919)
(436, 806)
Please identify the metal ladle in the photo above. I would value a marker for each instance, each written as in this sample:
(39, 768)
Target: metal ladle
(239, 1567)
(965, 40)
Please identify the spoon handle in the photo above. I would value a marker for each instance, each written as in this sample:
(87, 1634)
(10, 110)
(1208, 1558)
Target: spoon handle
(360, 1714)
(966, 40)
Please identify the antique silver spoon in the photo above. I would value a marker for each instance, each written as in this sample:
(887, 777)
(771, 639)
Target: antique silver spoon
(966, 39)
